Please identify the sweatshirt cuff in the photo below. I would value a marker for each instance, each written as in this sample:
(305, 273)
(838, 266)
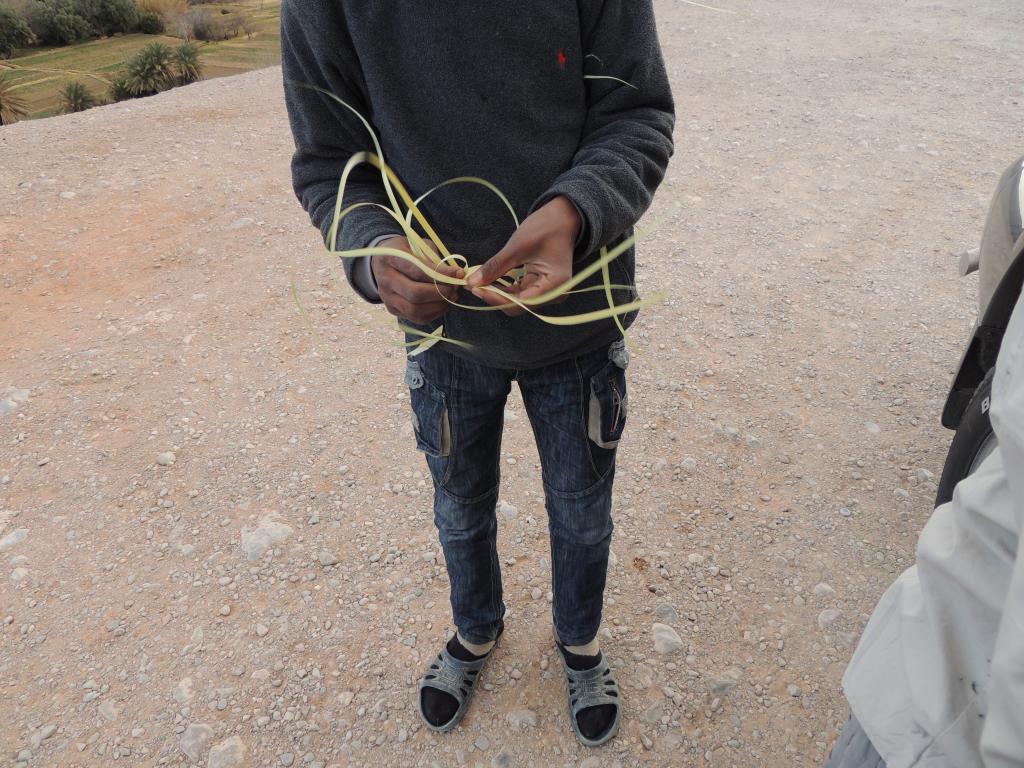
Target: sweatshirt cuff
(361, 277)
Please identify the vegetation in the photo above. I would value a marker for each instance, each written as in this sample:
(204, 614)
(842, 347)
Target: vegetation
(12, 107)
(119, 90)
(187, 66)
(150, 23)
(151, 70)
(14, 32)
(77, 97)
(40, 74)
(57, 22)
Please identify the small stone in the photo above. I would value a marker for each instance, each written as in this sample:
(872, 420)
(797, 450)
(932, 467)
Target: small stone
(871, 427)
(14, 537)
(245, 221)
(828, 617)
(823, 590)
(138, 732)
(165, 459)
(689, 465)
(268, 533)
(502, 760)
(19, 574)
(653, 714)
(195, 740)
(666, 639)
(110, 710)
(482, 743)
(724, 684)
(794, 691)
(327, 558)
(67, 195)
(286, 758)
(508, 511)
(667, 613)
(261, 630)
(43, 734)
(230, 753)
(536, 593)
(845, 511)
(183, 691)
(522, 718)
(225, 610)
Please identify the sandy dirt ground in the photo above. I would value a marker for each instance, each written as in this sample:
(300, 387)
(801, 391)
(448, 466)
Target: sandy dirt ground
(179, 457)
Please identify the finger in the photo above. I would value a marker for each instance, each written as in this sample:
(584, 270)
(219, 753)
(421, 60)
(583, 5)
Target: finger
(421, 314)
(409, 270)
(423, 293)
(492, 298)
(504, 261)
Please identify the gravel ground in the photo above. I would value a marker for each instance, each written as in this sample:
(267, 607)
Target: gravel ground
(215, 529)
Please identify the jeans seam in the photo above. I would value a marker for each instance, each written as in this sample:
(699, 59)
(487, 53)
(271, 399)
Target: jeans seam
(475, 500)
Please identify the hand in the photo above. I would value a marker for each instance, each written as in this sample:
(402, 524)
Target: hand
(544, 244)
(407, 292)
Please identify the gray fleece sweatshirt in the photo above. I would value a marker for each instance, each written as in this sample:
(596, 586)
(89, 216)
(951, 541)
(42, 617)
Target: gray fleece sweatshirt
(489, 89)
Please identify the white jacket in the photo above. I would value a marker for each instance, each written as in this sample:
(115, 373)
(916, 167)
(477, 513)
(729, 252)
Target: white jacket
(938, 678)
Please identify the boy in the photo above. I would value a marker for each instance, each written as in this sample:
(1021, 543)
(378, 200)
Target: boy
(496, 90)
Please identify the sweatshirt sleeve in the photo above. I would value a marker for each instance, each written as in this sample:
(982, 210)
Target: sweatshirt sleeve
(316, 51)
(1002, 739)
(627, 135)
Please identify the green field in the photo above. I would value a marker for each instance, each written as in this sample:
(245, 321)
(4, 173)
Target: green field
(38, 74)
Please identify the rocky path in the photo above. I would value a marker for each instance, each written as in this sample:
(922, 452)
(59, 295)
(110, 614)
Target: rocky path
(215, 532)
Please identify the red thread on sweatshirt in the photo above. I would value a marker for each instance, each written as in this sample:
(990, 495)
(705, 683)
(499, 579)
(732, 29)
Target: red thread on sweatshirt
(561, 58)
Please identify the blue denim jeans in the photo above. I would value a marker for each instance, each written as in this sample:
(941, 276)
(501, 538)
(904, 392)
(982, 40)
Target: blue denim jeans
(577, 409)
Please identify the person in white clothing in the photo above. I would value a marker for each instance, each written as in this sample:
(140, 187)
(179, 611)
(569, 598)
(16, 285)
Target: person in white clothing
(937, 680)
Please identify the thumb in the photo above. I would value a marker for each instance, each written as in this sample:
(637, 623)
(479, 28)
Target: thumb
(505, 260)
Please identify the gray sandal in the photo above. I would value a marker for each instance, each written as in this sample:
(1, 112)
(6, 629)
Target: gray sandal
(592, 688)
(454, 677)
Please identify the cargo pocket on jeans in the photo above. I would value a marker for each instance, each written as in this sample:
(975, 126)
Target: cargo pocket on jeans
(429, 414)
(609, 401)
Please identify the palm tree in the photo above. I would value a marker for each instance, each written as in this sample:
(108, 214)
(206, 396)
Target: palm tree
(12, 106)
(151, 70)
(119, 90)
(186, 62)
(76, 97)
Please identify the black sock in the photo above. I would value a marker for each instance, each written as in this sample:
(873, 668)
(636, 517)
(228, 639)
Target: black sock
(593, 721)
(440, 707)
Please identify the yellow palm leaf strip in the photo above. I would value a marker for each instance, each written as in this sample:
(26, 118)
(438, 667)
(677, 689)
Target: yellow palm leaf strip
(609, 77)
(584, 317)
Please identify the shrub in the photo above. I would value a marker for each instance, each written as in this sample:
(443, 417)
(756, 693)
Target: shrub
(169, 11)
(187, 64)
(151, 70)
(12, 106)
(75, 97)
(14, 32)
(200, 24)
(58, 22)
(150, 23)
(108, 16)
(119, 90)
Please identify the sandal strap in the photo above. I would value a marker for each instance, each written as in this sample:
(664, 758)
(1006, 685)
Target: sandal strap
(591, 687)
(452, 676)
